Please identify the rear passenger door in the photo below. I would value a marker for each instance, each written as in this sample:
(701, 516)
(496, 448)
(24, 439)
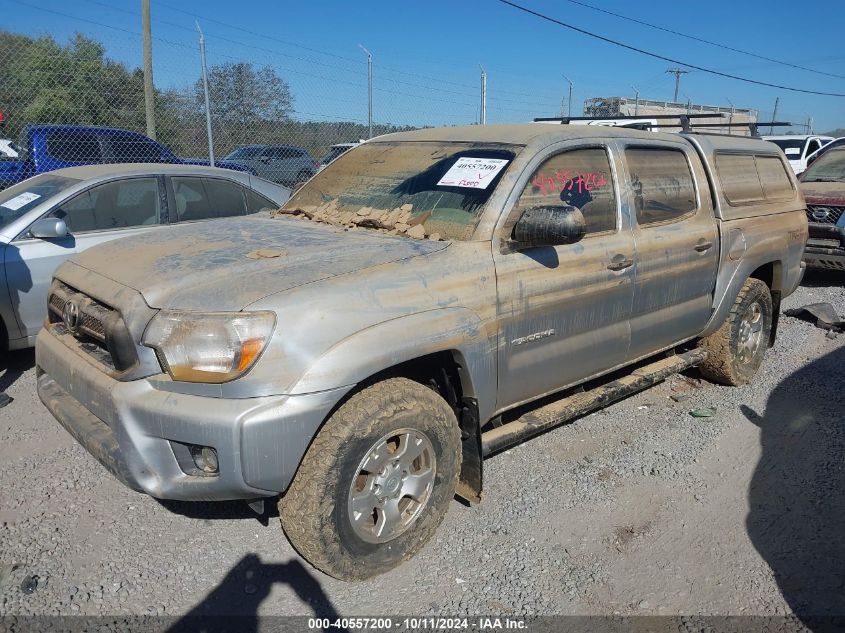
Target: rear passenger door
(676, 244)
(197, 198)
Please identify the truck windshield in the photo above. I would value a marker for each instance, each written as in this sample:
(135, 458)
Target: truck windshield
(26, 195)
(830, 167)
(420, 189)
(791, 146)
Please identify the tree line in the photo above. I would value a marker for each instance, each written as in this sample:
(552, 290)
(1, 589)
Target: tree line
(44, 81)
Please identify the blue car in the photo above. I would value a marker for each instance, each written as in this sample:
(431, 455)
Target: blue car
(44, 148)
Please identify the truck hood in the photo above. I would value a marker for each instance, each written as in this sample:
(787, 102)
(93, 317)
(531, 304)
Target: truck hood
(229, 264)
(824, 192)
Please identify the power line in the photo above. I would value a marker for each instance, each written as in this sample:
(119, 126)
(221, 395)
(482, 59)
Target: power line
(703, 41)
(663, 57)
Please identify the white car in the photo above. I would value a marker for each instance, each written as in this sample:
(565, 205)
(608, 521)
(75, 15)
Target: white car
(8, 149)
(798, 147)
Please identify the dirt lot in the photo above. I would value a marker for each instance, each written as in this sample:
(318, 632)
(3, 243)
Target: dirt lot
(637, 509)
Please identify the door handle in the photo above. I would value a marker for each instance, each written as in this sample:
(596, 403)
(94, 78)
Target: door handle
(620, 262)
(703, 246)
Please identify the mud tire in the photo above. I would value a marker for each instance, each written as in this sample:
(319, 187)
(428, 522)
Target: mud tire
(314, 510)
(723, 364)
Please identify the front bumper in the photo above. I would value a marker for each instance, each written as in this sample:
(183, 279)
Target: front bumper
(136, 430)
(826, 247)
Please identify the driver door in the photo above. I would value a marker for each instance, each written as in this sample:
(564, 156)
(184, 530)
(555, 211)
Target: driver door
(564, 311)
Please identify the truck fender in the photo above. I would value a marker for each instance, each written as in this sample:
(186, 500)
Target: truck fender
(389, 343)
(733, 275)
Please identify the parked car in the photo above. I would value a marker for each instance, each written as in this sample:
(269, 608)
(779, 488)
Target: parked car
(44, 148)
(8, 149)
(363, 373)
(48, 218)
(798, 147)
(837, 142)
(334, 152)
(284, 164)
(823, 185)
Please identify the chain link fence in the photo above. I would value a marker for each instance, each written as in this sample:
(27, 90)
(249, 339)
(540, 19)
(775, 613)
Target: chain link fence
(277, 108)
(278, 113)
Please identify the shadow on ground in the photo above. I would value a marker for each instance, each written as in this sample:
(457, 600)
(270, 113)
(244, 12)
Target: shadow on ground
(221, 510)
(819, 278)
(13, 365)
(233, 605)
(797, 494)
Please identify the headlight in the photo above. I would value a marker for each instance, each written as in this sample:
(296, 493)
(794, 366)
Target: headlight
(208, 346)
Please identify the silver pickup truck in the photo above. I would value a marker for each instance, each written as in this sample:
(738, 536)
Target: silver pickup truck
(357, 354)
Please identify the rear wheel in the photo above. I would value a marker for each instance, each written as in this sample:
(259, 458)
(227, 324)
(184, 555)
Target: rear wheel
(376, 482)
(736, 349)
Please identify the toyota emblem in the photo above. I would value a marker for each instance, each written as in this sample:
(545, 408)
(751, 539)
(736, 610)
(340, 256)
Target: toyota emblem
(71, 317)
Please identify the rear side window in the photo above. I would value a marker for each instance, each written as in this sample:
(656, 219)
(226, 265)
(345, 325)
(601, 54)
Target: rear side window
(133, 150)
(662, 184)
(74, 147)
(752, 179)
(206, 198)
(580, 178)
(255, 202)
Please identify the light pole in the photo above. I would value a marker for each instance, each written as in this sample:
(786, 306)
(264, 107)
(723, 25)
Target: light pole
(149, 93)
(369, 90)
(483, 117)
(205, 91)
(569, 104)
(636, 100)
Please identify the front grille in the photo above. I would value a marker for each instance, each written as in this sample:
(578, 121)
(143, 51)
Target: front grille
(824, 214)
(98, 329)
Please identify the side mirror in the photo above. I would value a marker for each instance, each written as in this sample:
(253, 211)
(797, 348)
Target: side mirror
(548, 226)
(48, 228)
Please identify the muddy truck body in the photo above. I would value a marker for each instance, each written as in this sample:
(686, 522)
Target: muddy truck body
(357, 355)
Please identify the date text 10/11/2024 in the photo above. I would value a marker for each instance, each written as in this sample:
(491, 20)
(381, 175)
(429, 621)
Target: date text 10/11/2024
(422, 623)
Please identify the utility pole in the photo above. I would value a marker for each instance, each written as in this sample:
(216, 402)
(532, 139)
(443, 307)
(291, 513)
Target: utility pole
(369, 90)
(731, 117)
(569, 103)
(636, 100)
(149, 94)
(207, 104)
(809, 125)
(483, 117)
(677, 72)
(774, 115)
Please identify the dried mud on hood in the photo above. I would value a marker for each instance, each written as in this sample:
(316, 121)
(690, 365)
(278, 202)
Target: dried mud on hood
(399, 221)
(229, 264)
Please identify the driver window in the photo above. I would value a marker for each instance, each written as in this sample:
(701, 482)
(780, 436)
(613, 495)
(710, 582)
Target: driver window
(579, 178)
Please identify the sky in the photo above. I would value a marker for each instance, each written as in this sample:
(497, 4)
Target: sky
(427, 56)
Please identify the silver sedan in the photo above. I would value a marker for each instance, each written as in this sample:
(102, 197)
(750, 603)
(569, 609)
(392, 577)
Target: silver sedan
(48, 218)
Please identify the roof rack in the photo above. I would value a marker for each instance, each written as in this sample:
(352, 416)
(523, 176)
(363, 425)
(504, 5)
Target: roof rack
(684, 121)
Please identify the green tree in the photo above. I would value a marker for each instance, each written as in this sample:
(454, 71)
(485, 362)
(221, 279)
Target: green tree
(244, 100)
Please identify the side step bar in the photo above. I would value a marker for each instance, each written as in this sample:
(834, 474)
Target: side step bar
(554, 414)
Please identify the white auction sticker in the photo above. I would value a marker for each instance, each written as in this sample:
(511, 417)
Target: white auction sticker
(475, 173)
(20, 200)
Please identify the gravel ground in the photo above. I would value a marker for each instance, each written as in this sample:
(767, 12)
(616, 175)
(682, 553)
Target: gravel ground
(636, 509)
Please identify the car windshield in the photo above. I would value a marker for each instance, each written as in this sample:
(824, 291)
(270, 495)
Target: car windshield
(17, 200)
(830, 167)
(419, 189)
(243, 153)
(790, 146)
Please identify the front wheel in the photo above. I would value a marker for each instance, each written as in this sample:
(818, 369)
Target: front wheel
(376, 482)
(736, 349)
